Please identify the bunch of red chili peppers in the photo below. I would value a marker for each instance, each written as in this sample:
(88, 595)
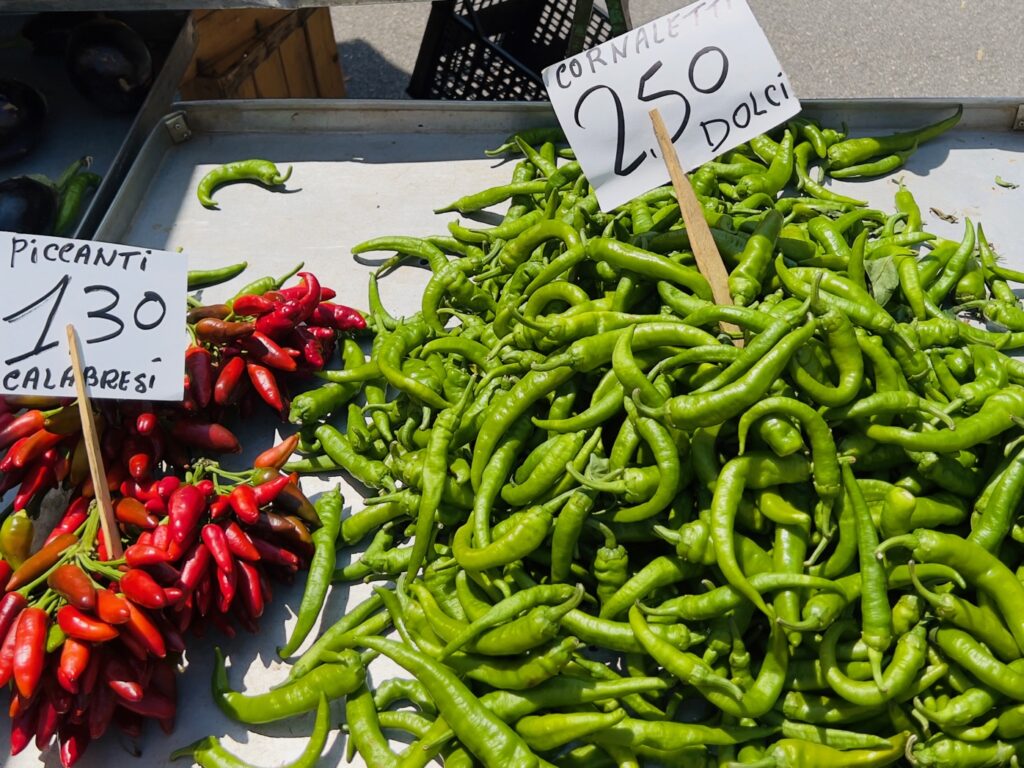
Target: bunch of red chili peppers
(87, 641)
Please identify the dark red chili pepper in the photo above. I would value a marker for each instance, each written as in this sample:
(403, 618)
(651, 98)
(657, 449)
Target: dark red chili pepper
(275, 555)
(226, 390)
(5, 573)
(21, 426)
(338, 316)
(312, 348)
(165, 486)
(185, 508)
(129, 723)
(156, 506)
(39, 478)
(239, 543)
(121, 680)
(41, 561)
(145, 423)
(140, 466)
(265, 384)
(132, 512)
(215, 541)
(62, 700)
(204, 595)
(199, 366)
(249, 583)
(142, 628)
(220, 622)
(218, 311)
(101, 711)
(152, 704)
(293, 501)
(11, 606)
(72, 583)
(74, 659)
(249, 304)
(48, 720)
(134, 647)
(165, 681)
(206, 487)
(76, 624)
(137, 490)
(196, 564)
(140, 588)
(112, 608)
(212, 437)
(264, 349)
(266, 492)
(226, 587)
(246, 503)
(74, 739)
(26, 450)
(219, 508)
(139, 555)
(23, 727)
(174, 595)
(216, 331)
(30, 649)
(77, 513)
(277, 324)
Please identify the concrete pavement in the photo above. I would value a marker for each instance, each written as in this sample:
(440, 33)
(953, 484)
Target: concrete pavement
(829, 48)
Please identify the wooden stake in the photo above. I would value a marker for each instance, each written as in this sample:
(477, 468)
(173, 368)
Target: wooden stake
(111, 534)
(709, 261)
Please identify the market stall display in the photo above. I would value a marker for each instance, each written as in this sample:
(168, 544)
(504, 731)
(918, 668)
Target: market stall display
(158, 208)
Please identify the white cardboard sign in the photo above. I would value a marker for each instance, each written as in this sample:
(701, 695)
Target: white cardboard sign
(708, 68)
(127, 305)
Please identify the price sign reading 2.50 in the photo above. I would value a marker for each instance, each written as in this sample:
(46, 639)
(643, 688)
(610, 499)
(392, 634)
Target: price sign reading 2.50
(127, 305)
(708, 69)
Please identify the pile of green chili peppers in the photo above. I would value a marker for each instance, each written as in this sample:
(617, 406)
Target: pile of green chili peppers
(610, 532)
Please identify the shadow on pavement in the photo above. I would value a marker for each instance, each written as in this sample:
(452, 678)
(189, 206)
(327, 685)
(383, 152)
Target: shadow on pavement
(378, 78)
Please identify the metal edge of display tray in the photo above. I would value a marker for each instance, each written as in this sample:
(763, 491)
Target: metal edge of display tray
(188, 119)
(158, 101)
(35, 6)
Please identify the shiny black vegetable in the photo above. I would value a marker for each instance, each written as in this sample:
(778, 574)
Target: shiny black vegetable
(109, 63)
(28, 205)
(22, 114)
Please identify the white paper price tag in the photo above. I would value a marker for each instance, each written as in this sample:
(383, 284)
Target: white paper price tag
(708, 68)
(127, 305)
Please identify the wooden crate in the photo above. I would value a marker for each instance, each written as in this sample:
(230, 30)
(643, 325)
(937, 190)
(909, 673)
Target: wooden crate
(264, 54)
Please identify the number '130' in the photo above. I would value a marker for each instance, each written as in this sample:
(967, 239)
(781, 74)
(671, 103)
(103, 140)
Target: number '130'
(621, 167)
(148, 313)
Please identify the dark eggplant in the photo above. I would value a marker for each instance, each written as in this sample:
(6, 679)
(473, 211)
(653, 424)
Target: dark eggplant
(22, 114)
(109, 63)
(28, 204)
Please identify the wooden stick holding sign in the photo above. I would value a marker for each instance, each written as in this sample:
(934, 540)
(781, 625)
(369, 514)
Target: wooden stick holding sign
(709, 261)
(111, 534)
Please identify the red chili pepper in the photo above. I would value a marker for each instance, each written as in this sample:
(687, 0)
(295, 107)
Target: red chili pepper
(212, 437)
(41, 561)
(216, 331)
(249, 304)
(185, 508)
(112, 608)
(72, 583)
(275, 555)
(298, 291)
(162, 536)
(23, 727)
(121, 680)
(338, 316)
(214, 539)
(74, 739)
(152, 704)
(31, 448)
(263, 349)
(140, 466)
(48, 720)
(139, 555)
(197, 562)
(220, 622)
(76, 624)
(269, 490)
(30, 649)
(11, 606)
(249, 581)
(134, 647)
(145, 423)
(5, 573)
(312, 348)
(226, 390)
(219, 508)
(226, 587)
(276, 456)
(76, 514)
(199, 366)
(39, 478)
(21, 426)
(136, 490)
(142, 628)
(129, 723)
(204, 595)
(266, 386)
(131, 511)
(239, 543)
(140, 588)
(246, 503)
(156, 506)
(165, 486)
(207, 487)
(74, 660)
(280, 322)
(62, 700)
(165, 681)
(101, 711)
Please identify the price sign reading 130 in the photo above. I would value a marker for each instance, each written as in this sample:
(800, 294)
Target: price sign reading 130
(127, 306)
(708, 68)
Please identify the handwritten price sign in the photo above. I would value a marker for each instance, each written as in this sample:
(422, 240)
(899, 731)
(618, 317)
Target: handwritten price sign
(708, 68)
(127, 305)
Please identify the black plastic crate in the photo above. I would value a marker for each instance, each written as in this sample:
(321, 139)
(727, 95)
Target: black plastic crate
(495, 50)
